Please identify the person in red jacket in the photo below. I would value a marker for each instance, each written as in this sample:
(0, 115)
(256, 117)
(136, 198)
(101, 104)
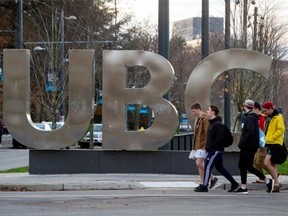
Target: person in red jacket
(262, 152)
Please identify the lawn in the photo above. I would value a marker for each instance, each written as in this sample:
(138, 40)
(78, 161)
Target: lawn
(283, 168)
(16, 170)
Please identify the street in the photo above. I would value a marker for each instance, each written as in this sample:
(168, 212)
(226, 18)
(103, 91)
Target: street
(12, 158)
(142, 203)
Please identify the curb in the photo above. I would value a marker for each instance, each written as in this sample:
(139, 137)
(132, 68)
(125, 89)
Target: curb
(100, 185)
(105, 185)
(36, 187)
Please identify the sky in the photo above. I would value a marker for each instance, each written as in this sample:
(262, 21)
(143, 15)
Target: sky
(179, 9)
(147, 10)
(182, 9)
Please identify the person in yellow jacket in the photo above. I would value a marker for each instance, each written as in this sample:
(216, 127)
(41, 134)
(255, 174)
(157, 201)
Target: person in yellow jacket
(275, 129)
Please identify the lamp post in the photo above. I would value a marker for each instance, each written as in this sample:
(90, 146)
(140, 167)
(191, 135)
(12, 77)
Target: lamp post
(245, 14)
(163, 29)
(227, 99)
(62, 56)
(19, 24)
(254, 46)
(205, 28)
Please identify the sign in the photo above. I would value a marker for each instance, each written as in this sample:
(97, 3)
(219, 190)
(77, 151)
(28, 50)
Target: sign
(116, 95)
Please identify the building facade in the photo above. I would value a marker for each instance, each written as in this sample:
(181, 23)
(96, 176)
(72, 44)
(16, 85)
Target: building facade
(190, 29)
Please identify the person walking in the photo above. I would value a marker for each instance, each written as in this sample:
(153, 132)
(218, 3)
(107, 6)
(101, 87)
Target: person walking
(248, 145)
(260, 155)
(199, 141)
(214, 147)
(275, 130)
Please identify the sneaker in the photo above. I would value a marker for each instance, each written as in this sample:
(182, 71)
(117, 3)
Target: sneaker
(270, 185)
(213, 183)
(201, 188)
(277, 188)
(233, 187)
(241, 190)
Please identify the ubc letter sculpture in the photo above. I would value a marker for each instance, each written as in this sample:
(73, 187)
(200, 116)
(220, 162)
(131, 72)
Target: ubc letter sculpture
(17, 96)
(116, 96)
(200, 81)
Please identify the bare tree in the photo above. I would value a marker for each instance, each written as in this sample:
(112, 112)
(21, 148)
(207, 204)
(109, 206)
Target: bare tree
(49, 39)
(264, 34)
(183, 59)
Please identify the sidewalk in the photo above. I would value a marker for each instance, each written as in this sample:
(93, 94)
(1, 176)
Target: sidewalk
(26, 182)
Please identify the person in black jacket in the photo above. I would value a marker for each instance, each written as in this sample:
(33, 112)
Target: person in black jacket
(214, 147)
(248, 145)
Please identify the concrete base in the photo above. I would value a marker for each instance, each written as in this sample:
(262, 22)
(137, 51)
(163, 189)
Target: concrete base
(100, 161)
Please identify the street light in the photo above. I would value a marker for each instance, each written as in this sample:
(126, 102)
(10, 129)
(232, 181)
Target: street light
(19, 24)
(39, 48)
(245, 17)
(227, 98)
(205, 29)
(62, 53)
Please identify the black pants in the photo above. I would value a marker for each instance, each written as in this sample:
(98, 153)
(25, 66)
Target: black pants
(214, 158)
(246, 160)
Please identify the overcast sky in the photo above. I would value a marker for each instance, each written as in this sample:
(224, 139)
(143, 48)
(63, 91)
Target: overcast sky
(182, 9)
(179, 9)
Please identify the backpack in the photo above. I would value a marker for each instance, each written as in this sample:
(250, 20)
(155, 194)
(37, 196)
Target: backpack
(262, 138)
(228, 138)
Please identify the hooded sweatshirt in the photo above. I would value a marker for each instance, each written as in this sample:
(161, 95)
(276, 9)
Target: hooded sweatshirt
(249, 139)
(215, 135)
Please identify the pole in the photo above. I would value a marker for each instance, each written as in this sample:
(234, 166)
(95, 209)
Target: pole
(227, 98)
(62, 60)
(255, 29)
(20, 24)
(88, 38)
(245, 14)
(227, 24)
(163, 29)
(205, 28)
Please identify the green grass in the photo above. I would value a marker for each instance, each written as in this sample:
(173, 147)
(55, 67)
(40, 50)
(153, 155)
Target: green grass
(16, 170)
(283, 168)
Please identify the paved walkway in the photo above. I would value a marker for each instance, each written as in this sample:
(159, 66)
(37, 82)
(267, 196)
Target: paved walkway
(23, 181)
(26, 182)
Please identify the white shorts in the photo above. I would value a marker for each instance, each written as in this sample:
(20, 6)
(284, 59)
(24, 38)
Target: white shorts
(199, 153)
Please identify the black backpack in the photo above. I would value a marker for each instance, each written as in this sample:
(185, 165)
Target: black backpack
(227, 136)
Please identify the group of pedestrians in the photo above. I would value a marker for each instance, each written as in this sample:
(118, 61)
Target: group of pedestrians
(208, 146)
